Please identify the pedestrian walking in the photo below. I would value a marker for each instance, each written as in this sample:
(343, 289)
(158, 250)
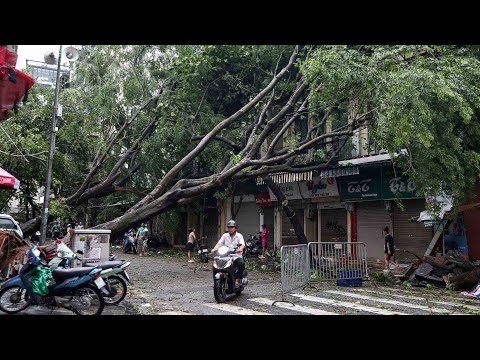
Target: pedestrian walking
(389, 249)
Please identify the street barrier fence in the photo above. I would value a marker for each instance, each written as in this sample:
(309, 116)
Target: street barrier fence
(294, 267)
(302, 264)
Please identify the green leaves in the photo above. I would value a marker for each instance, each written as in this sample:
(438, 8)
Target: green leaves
(426, 100)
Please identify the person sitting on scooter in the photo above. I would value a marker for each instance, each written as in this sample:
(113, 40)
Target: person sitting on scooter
(234, 240)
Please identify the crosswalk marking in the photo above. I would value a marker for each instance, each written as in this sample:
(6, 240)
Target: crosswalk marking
(296, 307)
(174, 313)
(348, 305)
(235, 309)
(424, 299)
(391, 302)
(444, 296)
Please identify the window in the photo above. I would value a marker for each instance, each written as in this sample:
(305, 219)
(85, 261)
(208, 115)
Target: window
(7, 224)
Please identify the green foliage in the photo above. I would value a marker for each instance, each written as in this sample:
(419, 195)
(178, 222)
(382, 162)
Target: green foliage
(109, 213)
(171, 220)
(220, 195)
(423, 99)
(57, 208)
(383, 278)
(235, 158)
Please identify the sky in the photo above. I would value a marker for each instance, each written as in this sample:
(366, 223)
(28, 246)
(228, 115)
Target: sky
(34, 52)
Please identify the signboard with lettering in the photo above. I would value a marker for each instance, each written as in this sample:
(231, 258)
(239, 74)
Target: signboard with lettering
(376, 184)
(396, 186)
(263, 199)
(315, 188)
(365, 186)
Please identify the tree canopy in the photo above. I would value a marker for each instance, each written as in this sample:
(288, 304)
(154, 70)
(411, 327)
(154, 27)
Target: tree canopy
(154, 127)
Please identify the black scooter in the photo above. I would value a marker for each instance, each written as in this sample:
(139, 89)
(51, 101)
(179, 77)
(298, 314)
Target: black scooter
(253, 246)
(202, 250)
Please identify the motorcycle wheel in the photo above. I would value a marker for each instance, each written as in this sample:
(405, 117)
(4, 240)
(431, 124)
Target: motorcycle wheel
(90, 296)
(15, 296)
(118, 289)
(219, 291)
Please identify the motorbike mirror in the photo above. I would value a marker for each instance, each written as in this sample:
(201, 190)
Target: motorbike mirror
(80, 252)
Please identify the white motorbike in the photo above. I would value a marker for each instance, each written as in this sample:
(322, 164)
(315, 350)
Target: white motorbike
(224, 275)
(113, 273)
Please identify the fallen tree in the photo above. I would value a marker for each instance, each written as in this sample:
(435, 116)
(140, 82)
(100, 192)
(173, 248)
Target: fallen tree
(389, 89)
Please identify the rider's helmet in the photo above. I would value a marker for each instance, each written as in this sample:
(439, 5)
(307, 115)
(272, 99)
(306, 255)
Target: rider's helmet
(231, 223)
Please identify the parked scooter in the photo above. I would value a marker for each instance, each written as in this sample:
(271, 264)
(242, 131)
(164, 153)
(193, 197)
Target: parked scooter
(115, 288)
(131, 243)
(253, 246)
(75, 289)
(224, 275)
(202, 250)
(114, 273)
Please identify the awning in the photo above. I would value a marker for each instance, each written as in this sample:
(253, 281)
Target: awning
(8, 181)
(13, 86)
(282, 178)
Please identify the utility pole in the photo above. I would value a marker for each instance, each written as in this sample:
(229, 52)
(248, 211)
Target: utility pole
(48, 181)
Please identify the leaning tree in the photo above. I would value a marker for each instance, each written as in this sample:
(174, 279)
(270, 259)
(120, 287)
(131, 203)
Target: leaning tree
(230, 107)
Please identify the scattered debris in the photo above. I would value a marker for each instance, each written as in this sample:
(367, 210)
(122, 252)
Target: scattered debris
(12, 253)
(453, 271)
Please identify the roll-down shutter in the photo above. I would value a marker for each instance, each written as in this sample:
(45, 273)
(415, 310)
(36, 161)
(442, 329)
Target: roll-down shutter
(334, 225)
(410, 235)
(248, 219)
(372, 217)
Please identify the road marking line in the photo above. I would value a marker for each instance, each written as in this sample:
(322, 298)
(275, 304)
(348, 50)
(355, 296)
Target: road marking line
(348, 305)
(174, 313)
(391, 302)
(299, 308)
(424, 299)
(235, 309)
(439, 295)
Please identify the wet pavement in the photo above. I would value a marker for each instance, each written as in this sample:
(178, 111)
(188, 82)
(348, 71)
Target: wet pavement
(166, 284)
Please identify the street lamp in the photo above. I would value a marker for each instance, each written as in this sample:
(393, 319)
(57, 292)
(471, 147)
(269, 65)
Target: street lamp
(72, 55)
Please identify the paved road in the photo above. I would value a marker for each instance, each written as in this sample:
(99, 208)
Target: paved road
(171, 286)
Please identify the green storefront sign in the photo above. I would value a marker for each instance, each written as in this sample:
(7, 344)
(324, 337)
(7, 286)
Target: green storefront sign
(376, 183)
(396, 186)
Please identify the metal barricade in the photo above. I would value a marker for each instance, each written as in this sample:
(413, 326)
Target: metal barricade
(294, 267)
(337, 260)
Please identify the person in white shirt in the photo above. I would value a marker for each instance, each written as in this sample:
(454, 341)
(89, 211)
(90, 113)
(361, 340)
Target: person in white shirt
(234, 240)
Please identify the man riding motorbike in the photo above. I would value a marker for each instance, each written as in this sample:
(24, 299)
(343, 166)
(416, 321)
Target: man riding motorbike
(234, 240)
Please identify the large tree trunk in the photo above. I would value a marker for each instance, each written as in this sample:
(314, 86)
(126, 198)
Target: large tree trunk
(297, 226)
(29, 227)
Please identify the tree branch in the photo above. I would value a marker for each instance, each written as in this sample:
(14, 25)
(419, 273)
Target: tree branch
(223, 140)
(162, 186)
(96, 166)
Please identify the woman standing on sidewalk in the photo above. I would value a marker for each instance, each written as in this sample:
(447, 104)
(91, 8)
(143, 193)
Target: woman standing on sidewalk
(264, 234)
(191, 241)
(141, 237)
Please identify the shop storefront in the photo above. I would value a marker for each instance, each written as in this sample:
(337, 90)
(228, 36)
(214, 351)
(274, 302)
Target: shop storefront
(408, 234)
(374, 192)
(333, 224)
(303, 198)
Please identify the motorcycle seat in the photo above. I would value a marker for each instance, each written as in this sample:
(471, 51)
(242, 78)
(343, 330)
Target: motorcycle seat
(61, 274)
(105, 264)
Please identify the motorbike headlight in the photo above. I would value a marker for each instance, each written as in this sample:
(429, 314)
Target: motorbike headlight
(223, 250)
